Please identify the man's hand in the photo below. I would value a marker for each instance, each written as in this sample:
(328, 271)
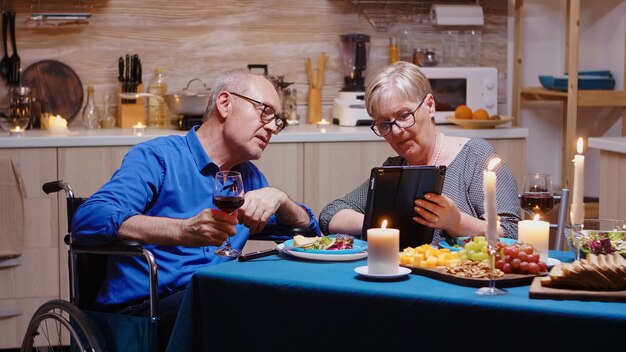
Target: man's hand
(259, 206)
(210, 227)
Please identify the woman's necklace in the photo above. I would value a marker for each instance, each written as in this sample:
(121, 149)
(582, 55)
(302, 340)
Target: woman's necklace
(443, 137)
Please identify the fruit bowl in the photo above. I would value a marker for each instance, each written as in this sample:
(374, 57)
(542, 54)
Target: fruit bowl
(600, 236)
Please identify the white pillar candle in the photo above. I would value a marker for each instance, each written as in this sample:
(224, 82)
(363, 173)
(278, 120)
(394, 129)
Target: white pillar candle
(577, 212)
(491, 213)
(536, 233)
(383, 245)
(57, 125)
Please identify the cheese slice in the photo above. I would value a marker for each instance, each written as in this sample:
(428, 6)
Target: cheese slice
(299, 240)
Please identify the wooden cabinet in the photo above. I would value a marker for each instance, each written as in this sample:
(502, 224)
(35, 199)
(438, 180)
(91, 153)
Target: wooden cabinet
(573, 98)
(35, 277)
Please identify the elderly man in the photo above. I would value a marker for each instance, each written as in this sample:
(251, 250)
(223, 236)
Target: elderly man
(162, 197)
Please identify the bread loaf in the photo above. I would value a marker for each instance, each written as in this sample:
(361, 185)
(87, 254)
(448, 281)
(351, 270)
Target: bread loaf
(602, 272)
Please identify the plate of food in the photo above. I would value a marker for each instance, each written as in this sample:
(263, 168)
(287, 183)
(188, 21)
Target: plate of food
(492, 122)
(462, 241)
(337, 247)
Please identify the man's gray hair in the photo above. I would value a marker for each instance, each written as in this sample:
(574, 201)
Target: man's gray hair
(235, 80)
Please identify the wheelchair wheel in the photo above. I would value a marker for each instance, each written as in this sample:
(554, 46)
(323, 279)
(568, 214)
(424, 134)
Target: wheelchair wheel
(58, 321)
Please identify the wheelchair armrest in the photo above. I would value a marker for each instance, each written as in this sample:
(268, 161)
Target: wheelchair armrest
(280, 233)
(111, 247)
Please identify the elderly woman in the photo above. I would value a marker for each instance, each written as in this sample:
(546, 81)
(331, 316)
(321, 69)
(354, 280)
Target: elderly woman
(400, 101)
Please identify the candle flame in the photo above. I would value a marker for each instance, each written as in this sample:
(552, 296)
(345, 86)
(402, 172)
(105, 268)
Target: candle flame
(139, 125)
(579, 145)
(536, 218)
(384, 225)
(17, 128)
(493, 163)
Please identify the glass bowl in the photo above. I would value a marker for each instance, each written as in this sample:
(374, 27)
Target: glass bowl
(600, 236)
(11, 123)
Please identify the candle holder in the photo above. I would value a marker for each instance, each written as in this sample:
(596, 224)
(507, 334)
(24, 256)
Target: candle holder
(491, 290)
(16, 132)
(139, 130)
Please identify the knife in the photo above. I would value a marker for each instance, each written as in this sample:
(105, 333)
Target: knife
(120, 68)
(267, 252)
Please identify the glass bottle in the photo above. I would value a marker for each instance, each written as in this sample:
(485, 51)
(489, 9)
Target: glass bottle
(107, 119)
(158, 113)
(90, 112)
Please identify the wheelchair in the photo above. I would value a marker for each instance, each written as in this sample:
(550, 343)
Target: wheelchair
(58, 322)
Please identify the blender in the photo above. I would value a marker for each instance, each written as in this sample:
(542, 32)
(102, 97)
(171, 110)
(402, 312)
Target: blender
(349, 106)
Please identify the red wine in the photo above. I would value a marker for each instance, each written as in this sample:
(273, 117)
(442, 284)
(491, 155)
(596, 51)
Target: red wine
(537, 202)
(228, 204)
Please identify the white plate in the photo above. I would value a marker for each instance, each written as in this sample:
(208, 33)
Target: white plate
(552, 262)
(325, 257)
(362, 270)
(469, 123)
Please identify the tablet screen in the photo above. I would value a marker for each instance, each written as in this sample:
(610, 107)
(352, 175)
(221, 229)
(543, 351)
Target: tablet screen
(391, 196)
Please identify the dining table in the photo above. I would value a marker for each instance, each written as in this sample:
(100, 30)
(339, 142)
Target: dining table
(285, 303)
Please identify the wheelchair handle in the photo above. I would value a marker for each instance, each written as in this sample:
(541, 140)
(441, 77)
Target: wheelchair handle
(56, 186)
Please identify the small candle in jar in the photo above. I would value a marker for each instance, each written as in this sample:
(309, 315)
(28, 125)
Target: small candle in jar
(57, 125)
(537, 234)
(16, 131)
(383, 245)
(139, 129)
(322, 124)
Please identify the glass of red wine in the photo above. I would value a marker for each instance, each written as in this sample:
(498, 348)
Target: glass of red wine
(228, 197)
(537, 197)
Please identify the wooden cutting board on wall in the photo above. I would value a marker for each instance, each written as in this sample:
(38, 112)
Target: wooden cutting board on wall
(55, 88)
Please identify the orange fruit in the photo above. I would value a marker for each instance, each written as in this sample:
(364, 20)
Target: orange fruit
(480, 114)
(463, 112)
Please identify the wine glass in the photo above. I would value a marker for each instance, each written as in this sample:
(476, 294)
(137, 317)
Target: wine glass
(228, 197)
(491, 290)
(537, 197)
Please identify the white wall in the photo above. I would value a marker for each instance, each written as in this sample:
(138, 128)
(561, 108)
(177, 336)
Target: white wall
(601, 46)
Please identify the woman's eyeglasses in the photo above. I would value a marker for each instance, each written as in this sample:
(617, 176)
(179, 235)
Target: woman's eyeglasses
(268, 114)
(404, 121)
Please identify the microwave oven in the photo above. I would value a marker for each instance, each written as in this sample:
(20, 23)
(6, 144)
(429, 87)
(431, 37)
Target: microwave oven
(476, 87)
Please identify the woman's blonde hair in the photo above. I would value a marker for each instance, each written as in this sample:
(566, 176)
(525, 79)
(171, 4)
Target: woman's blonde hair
(400, 78)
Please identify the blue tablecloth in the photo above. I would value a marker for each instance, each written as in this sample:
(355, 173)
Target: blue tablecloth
(280, 303)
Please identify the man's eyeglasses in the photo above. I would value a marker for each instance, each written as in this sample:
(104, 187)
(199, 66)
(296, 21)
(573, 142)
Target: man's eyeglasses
(404, 121)
(267, 112)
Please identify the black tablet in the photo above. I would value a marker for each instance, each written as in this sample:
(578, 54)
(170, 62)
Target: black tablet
(391, 196)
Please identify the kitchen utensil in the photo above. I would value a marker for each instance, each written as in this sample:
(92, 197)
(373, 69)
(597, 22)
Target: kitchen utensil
(4, 63)
(268, 252)
(14, 60)
(44, 79)
(189, 102)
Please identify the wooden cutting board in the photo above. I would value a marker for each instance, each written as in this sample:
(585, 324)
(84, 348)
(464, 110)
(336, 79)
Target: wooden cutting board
(540, 292)
(508, 280)
(55, 88)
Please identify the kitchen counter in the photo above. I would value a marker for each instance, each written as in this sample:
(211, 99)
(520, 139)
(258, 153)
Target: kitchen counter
(611, 144)
(293, 134)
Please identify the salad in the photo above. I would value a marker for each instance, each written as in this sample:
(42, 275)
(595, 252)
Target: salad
(603, 242)
(332, 243)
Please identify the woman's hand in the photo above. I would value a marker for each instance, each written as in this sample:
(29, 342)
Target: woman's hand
(437, 211)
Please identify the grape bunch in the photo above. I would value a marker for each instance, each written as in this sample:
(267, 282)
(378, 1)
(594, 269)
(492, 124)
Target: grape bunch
(519, 258)
(475, 250)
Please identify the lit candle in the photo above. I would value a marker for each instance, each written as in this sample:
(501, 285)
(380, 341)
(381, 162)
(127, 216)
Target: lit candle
(577, 212)
(383, 245)
(139, 129)
(489, 187)
(57, 125)
(322, 124)
(536, 233)
(16, 131)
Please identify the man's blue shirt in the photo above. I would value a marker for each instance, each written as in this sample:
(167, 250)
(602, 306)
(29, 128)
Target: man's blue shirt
(165, 177)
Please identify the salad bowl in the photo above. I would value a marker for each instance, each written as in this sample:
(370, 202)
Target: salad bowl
(600, 236)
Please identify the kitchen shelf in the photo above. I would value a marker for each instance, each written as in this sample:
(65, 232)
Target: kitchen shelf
(573, 98)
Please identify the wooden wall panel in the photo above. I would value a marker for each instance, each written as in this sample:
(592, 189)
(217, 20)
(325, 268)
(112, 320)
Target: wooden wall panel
(196, 38)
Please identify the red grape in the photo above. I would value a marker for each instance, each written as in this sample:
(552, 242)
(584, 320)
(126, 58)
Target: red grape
(533, 258)
(543, 266)
(523, 267)
(533, 268)
(514, 252)
(499, 264)
(528, 249)
(515, 263)
(507, 268)
(523, 256)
